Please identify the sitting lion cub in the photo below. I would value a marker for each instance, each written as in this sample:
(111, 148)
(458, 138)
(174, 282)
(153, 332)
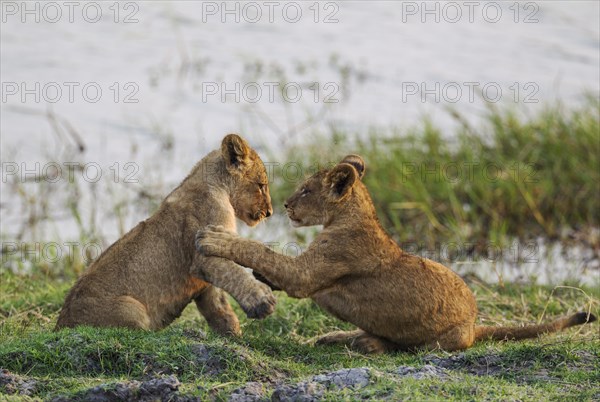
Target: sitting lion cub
(355, 271)
(146, 278)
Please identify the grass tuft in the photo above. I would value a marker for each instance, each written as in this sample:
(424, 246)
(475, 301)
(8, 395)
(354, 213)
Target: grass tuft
(512, 177)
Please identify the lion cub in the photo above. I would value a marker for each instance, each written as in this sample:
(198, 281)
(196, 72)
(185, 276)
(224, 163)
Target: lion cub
(146, 278)
(355, 271)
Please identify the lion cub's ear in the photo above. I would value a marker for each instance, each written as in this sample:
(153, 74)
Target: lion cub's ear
(357, 162)
(236, 153)
(340, 180)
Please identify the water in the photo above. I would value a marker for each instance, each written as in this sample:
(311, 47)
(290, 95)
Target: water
(167, 79)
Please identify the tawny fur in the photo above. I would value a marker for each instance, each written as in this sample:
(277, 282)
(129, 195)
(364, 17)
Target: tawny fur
(355, 271)
(146, 278)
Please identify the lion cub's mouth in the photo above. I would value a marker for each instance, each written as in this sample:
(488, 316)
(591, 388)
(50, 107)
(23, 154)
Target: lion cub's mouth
(256, 217)
(294, 221)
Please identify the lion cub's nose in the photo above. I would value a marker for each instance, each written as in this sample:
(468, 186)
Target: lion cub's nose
(269, 212)
(285, 205)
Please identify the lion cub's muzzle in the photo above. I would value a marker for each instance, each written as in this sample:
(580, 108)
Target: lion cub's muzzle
(263, 212)
(267, 209)
(294, 221)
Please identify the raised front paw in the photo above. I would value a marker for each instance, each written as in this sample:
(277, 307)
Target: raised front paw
(212, 240)
(260, 302)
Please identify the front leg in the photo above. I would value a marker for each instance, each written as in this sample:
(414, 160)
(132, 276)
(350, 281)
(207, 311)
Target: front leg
(255, 298)
(214, 305)
(299, 277)
(264, 280)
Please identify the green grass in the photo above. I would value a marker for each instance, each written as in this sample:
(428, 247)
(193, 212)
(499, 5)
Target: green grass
(513, 177)
(273, 351)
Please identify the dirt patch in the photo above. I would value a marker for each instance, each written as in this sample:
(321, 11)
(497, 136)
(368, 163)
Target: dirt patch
(251, 392)
(492, 364)
(585, 359)
(16, 384)
(495, 364)
(208, 358)
(313, 390)
(302, 392)
(157, 389)
(485, 365)
(203, 360)
(419, 373)
(345, 378)
(262, 370)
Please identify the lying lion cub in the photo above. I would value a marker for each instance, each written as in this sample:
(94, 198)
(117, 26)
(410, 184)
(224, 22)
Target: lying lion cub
(146, 278)
(355, 271)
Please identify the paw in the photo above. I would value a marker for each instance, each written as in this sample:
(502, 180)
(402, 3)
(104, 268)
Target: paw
(260, 303)
(226, 325)
(211, 239)
(368, 344)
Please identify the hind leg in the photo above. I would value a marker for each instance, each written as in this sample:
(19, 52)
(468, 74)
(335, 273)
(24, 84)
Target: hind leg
(129, 312)
(343, 337)
(458, 338)
(122, 311)
(214, 306)
(360, 341)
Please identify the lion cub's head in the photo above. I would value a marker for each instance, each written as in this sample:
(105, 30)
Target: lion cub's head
(248, 181)
(327, 193)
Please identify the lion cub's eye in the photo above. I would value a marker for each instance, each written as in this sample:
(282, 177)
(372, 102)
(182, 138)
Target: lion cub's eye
(304, 191)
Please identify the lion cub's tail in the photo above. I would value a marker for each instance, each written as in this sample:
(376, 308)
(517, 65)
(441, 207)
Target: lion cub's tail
(531, 331)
